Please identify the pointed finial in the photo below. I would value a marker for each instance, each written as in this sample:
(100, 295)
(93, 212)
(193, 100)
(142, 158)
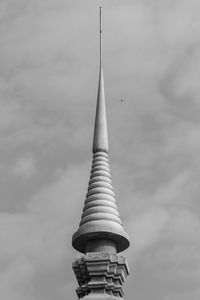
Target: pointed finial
(101, 32)
(100, 140)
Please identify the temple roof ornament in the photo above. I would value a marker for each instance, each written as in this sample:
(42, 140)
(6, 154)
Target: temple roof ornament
(100, 217)
(100, 272)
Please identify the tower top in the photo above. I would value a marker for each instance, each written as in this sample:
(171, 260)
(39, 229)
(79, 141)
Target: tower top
(100, 139)
(101, 33)
(100, 272)
(100, 226)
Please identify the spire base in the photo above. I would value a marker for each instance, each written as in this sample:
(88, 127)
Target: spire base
(100, 276)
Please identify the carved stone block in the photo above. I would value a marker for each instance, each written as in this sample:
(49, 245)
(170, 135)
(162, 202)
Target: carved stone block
(100, 274)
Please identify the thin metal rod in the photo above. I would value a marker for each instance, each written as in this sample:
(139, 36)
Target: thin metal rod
(101, 31)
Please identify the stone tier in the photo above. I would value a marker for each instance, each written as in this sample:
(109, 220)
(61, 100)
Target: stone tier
(100, 273)
(100, 217)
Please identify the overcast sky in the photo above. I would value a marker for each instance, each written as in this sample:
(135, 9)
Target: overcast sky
(48, 85)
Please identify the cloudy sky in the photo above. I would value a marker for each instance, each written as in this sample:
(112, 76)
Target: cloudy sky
(48, 86)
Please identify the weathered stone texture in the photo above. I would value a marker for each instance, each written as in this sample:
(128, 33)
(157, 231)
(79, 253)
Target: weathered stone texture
(100, 274)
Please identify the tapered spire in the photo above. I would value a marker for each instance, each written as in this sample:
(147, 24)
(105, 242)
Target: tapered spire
(100, 221)
(100, 140)
(100, 272)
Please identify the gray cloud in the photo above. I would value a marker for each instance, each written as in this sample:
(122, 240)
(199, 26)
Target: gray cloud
(48, 82)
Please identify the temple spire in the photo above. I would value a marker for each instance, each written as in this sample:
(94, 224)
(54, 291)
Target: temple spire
(100, 219)
(100, 140)
(100, 272)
